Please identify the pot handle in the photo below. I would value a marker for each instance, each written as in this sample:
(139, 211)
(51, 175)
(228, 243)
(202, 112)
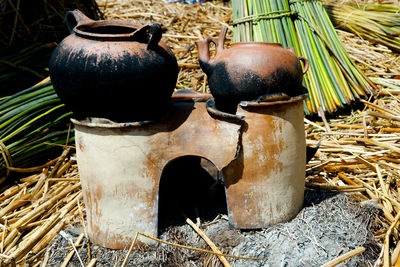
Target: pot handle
(204, 45)
(75, 18)
(156, 33)
(305, 62)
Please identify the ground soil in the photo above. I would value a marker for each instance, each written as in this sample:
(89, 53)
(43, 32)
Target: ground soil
(328, 226)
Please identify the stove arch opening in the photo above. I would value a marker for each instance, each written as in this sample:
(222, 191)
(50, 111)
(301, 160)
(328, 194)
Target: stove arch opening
(189, 186)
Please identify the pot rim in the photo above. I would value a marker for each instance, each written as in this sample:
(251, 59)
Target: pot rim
(80, 30)
(256, 43)
(94, 122)
(248, 104)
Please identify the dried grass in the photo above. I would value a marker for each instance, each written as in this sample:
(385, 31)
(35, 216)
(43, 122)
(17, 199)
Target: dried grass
(374, 60)
(183, 24)
(359, 153)
(33, 211)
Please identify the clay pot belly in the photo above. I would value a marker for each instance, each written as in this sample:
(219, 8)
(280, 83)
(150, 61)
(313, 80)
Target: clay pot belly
(246, 74)
(247, 71)
(114, 69)
(111, 81)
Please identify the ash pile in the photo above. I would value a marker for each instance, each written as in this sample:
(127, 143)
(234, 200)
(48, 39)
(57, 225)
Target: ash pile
(328, 226)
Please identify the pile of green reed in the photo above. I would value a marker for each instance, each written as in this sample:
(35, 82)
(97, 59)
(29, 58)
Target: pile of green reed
(376, 23)
(333, 80)
(34, 127)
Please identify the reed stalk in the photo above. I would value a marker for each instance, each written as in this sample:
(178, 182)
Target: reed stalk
(33, 128)
(376, 23)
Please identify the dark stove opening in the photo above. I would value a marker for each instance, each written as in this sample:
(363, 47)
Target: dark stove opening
(189, 186)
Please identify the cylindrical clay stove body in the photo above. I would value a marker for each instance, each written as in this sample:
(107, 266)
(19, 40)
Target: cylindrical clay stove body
(265, 183)
(261, 156)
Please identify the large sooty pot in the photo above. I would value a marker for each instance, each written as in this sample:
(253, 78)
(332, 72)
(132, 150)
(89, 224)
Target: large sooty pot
(249, 70)
(113, 69)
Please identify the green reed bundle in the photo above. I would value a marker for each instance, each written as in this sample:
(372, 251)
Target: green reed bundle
(333, 80)
(377, 23)
(33, 124)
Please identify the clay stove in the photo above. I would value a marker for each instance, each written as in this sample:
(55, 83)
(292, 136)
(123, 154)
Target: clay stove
(259, 152)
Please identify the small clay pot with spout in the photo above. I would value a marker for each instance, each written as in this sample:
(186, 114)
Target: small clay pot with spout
(118, 70)
(250, 70)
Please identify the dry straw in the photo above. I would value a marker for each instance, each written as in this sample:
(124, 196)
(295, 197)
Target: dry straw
(34, 211)
(360, 157)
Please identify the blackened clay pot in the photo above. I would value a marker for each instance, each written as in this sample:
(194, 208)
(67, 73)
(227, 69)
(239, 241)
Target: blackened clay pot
(250, 70)
(113, 69)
